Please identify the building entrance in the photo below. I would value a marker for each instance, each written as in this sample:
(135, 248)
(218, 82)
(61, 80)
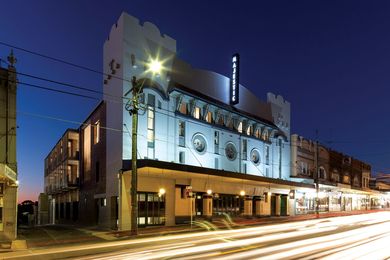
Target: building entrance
(151, 209)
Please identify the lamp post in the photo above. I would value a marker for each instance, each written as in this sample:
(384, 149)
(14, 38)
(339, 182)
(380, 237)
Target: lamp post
(133, 107)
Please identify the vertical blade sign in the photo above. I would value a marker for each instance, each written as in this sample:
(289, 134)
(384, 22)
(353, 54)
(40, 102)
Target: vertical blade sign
(234, 81)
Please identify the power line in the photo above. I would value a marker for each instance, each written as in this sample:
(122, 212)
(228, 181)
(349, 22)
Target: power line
(61, 61)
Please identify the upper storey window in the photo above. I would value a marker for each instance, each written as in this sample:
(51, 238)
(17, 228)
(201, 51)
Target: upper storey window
(257, 133)
(197, 112)
(249, 130)
(183, 108)
(265, 135)
(96, 132)
(209, 117)
(239, 127)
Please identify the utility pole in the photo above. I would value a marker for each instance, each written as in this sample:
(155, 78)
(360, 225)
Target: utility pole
(317, 178)
(134, 113)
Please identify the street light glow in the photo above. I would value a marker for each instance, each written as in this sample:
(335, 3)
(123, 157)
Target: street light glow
(209, 191)
(155, 66)
(242, 193)
(161, 191)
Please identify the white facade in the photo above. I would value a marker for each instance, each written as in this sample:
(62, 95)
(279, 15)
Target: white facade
(252, 139)
(144, 42)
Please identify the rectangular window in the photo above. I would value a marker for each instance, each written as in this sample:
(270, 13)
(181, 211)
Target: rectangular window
(151, 100)
(267, 155)
(216, 142)
(1, 188)
(182, 157)
(69, 149)
(96, 132)
(182, 133)
(304, 168)
(244, 168)
(159, 104)
(150, 131)
(244, 149)
(69, 173)
(197, 113)
(209, 117)
(87, 153)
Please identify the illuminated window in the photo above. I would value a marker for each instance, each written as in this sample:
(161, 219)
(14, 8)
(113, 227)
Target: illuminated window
(239, 127)
(249, 130)
(96, 132)
(87, 153)
(197, 112)
(183, 108)
(69, 150)
(69, 173)
(346, 179)
(209, 117)
(150, 131)
(265, 135)
(257, 133)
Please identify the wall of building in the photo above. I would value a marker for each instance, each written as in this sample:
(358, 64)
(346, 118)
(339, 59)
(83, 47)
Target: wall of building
(93, 207)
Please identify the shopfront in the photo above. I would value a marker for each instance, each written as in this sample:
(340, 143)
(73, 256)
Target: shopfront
(151, 209)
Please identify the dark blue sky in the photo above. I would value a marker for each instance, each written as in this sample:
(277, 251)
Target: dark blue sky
(330, 59)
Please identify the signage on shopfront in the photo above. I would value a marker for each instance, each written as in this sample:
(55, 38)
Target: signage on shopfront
(234, 81)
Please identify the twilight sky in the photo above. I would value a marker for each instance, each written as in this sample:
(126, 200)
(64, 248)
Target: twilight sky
(330, 59)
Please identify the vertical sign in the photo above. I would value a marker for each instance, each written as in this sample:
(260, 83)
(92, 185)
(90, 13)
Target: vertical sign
(234, 81)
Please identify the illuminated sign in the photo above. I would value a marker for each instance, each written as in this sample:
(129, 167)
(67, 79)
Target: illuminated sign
(234, 81)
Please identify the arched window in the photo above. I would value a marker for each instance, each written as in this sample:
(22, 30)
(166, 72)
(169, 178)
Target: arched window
(265, 135)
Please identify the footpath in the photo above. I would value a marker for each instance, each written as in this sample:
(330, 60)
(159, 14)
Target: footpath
(53, 236)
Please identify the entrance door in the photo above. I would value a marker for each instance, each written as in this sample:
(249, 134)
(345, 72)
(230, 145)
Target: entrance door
(283, 205)
(198, 204)
(273, 205)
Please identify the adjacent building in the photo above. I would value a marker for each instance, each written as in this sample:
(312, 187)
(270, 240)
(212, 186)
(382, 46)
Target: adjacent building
(8, 162)
(62, 179)
(343, 181)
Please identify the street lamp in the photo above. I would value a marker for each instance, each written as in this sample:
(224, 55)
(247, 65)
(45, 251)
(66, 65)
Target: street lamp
(155, 67)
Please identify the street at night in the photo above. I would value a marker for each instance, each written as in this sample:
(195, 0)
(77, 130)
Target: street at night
(205, 130)
(362, 236)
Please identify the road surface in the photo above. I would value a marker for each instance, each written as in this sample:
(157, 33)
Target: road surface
(364, 236)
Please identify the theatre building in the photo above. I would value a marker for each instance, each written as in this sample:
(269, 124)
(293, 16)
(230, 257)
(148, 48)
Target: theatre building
(200, 133)
(206, 146)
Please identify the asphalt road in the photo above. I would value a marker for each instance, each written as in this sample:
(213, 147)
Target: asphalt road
(363, 236)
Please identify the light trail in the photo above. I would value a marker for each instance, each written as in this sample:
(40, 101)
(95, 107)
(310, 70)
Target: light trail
(362, 236)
